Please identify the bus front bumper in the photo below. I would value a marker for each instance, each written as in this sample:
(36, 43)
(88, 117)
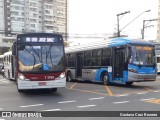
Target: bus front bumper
(27, 84)
(136, 77)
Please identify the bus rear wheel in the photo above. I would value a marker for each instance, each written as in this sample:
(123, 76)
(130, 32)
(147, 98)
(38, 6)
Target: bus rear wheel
(105, 79)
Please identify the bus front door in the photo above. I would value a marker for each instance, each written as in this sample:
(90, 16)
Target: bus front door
(118, 62)
(79, 63)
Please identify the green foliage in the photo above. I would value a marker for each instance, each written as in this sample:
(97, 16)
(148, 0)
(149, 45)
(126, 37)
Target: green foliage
(4, 49)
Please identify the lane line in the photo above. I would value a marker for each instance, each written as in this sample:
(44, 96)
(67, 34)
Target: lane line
(142, 93)
(156, 91)
(108, 90)
(52, 110)
(147, 99)
(73, 85)
(89, 91)
(67, 101)
(121, 102)
(122, 95)
(4, 81)
(96, 98)
(84, 106)
(32, 105)
(158, 81)
(148, 89)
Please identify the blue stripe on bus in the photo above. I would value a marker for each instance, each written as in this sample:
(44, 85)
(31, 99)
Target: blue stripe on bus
(99, 72)
(143, 70)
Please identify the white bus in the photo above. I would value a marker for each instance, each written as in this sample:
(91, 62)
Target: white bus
(7, 64)
(1, 59)
(36, 62)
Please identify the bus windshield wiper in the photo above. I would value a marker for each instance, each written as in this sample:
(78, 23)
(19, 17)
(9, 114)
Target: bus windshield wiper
(33, 57)
(49, 54)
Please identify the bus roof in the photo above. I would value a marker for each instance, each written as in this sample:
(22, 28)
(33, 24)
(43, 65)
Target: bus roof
(106, 43)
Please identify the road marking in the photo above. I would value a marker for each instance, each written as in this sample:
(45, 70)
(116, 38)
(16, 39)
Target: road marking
(32, 105)
(156, 91)
(89, 91)
(67, 101)
(86, 106)
(147, 99)
(142, 93)
(157, 101)
(122, 95)
(120, 102)
(148, 89)
(158, 81)
(108, 90)
(73, 85)
(1, 108)
(4, 81)
(96, 98)
(52, 110)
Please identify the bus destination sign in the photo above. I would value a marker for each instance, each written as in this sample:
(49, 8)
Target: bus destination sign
(40, 39)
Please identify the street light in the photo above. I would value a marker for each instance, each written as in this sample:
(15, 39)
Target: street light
(118, 32)
(145, 25)
(133, 20)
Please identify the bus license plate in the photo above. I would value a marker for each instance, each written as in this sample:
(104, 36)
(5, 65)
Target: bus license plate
(41, 83)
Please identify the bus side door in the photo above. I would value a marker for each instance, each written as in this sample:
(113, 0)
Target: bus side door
(118, 62)
(79, 64)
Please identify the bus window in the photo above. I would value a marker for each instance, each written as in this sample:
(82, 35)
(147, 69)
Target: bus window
(87, 58)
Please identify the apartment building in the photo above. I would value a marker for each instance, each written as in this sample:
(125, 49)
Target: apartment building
(158, 24)
(22, 16)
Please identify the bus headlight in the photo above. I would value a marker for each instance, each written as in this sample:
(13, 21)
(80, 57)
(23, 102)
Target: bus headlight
(62, 75)
(21, 77)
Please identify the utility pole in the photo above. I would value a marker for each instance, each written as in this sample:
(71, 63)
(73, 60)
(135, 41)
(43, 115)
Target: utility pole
(118, 31)
(144, 25)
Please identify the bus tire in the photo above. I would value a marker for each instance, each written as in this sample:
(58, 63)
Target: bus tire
(54, 89)
(105, 79)
(20, 91)
(68, 77)
(129, 83)
(9, 75)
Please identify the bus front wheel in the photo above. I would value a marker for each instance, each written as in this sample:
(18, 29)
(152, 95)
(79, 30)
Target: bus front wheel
(54, 89)
(68, 77)
(129, 83)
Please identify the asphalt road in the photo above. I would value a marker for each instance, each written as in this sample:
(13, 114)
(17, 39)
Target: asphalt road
(80, 96)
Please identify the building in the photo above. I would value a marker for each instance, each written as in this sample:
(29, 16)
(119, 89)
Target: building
(158, 24)
(23, 16)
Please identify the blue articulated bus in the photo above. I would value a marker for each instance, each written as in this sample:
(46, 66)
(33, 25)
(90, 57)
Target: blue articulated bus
(118, 60)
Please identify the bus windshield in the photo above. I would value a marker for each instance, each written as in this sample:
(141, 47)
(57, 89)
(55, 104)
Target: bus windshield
(143, 55)
(40, 57)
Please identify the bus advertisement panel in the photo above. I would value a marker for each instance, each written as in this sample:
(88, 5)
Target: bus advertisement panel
(118, 60)
(38, 61)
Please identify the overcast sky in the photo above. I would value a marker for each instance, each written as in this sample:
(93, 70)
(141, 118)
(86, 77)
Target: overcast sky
(99, 16)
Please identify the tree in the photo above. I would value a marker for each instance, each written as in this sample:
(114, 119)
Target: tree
(4, 49)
